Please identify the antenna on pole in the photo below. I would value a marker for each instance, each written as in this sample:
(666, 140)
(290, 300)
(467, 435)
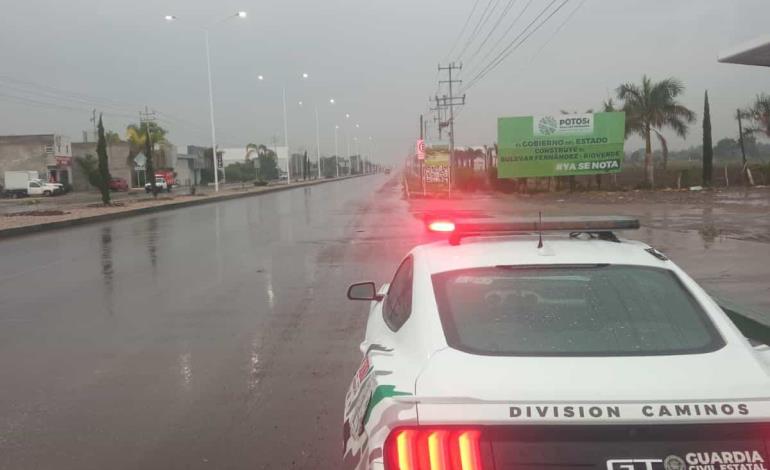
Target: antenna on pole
(539, 229)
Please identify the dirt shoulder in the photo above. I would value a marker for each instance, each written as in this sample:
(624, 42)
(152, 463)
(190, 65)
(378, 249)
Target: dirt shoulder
(719, 237)
(740, 214)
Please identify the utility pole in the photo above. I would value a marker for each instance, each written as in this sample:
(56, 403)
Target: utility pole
(93, 121)
(452, 102)
(286, 140)
(746, 172)
(147, 118)
(439, 118)
(740, 138)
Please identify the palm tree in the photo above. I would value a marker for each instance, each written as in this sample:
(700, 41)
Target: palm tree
(137, 137)
(137, 134)
(650, 107)
(759, 113)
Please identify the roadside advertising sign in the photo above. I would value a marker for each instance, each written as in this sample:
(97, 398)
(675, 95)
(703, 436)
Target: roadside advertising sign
(437, 163)
(560, 145)
(421, 149)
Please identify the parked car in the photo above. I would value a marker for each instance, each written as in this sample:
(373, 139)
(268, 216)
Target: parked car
(118, 184)
(27, 183)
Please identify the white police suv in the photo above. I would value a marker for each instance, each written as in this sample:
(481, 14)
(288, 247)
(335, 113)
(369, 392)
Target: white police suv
(552, 344)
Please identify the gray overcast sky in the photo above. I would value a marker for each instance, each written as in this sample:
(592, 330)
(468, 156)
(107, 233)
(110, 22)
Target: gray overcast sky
(377, 58)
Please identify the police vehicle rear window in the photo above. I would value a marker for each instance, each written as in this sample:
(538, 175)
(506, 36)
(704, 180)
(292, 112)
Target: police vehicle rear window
(576, 310)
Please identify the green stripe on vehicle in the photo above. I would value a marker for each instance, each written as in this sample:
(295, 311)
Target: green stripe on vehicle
(380, 393)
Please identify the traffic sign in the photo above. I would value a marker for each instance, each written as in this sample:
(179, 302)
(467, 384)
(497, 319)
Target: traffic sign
(140, 159)
(421, 149)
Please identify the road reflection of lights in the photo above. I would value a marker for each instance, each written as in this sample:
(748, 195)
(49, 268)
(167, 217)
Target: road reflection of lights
(185, 369)
(218, 242)
(254, 365)
(270, 292)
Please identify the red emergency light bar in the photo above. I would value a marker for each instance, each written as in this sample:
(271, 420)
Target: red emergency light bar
(602, 226)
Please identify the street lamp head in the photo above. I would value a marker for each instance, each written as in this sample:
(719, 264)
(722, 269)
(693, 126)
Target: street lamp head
(336, 126)
(304, 75)
(300, 104)
(357, 126)
(169, 17)
(241, 14)
(260, 77)
(331, 100)
(347, 116)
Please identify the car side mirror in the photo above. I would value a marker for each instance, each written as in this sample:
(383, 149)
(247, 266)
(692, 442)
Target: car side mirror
(364, 291)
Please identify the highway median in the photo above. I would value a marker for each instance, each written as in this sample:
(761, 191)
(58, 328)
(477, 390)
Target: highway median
(30, 221)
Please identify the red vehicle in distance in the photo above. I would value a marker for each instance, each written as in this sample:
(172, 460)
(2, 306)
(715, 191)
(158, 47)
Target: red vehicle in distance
(118, 184)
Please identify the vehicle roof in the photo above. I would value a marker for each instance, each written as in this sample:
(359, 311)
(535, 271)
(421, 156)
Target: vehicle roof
(475, 252)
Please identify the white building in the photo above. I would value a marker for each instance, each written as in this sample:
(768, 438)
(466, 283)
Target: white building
(282, 157)
(233, 155)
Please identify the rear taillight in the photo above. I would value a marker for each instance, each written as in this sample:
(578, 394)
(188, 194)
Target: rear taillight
(433, 449)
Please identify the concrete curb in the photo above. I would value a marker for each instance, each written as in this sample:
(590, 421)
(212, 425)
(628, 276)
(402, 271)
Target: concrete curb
(29, 229)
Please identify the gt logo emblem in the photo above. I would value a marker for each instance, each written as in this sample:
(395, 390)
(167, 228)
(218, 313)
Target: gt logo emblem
(632, 464)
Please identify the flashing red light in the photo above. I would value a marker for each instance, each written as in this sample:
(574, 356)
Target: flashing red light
(433, 449)
(441, 226)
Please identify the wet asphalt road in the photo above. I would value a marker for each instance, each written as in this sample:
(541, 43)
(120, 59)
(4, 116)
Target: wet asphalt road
(218, 336)
(215, 336)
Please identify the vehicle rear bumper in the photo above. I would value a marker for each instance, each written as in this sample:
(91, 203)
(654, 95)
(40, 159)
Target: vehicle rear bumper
(732, 446)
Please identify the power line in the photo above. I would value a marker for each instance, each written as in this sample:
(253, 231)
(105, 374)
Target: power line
(38, 95)
(509, 45)
(462, 30)
(29, 86)
(482, 19)
(502, 16)
(504, 35)
(514, 46)
(559, 28)
(48, 104)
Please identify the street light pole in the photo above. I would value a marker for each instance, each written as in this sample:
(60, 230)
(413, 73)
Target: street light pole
(286, 139)
(317, 142)
(240, 14)
(347, 138)
(211, 114)
(336, 151)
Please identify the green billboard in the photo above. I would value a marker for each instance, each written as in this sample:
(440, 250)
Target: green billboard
(560, 145)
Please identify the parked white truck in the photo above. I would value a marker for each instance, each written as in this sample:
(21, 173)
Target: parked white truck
(28, 183)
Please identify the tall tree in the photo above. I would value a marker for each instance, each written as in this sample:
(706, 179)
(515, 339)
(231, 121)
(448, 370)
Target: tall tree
(104, 164)
(650, 107)
(149, 167)
(112, 137)
(708, 149)
(268, 163)
(137, 134)
(89, 166)
(760, 115)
